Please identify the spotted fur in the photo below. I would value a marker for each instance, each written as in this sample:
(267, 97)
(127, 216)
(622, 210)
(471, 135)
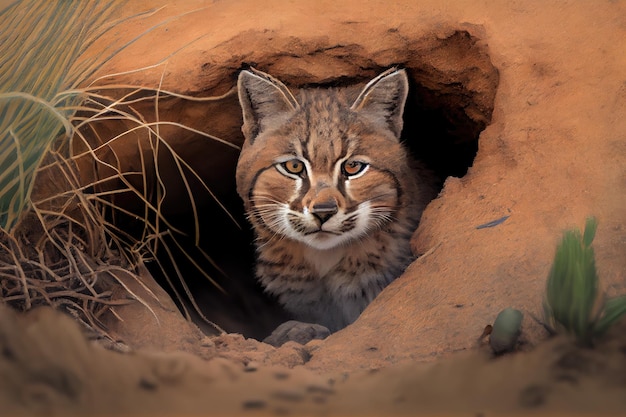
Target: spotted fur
(330, 192)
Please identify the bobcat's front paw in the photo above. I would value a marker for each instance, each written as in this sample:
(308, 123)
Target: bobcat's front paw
(296, 331)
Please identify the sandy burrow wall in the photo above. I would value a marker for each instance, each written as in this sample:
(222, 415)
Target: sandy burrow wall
(551, 155)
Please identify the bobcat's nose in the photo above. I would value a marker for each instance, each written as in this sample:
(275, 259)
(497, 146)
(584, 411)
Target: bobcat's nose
(324, 211)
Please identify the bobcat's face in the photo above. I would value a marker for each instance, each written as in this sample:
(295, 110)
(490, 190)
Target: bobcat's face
(320, 170)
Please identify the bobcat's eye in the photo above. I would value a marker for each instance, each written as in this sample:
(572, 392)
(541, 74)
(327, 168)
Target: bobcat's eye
(351, 167)
(293, 166)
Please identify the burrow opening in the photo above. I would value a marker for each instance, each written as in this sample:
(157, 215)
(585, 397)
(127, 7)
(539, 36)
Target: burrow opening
(452, 90)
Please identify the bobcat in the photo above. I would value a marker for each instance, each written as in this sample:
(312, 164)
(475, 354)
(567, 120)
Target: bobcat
(330, 192)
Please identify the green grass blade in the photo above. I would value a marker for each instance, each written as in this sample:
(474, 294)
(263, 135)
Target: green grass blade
(590, 231)
(41, 44)
(614, 309)
(572, 284)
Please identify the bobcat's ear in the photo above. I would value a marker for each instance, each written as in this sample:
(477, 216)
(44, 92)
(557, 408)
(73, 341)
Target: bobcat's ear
(261, 97)
(384, 97)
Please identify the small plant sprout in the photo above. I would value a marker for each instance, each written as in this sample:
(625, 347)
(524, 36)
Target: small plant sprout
(506, 330)
(572, 289)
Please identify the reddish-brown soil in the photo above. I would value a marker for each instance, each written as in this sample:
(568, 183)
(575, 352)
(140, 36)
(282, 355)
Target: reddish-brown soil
(545, 79)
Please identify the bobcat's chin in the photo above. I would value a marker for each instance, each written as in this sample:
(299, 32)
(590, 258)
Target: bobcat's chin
(324, 240)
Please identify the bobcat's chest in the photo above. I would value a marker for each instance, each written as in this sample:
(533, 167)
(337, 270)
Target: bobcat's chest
(331, 287)
(322, 262)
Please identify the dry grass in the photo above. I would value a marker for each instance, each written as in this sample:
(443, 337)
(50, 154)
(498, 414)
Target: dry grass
(59, 242)
(108, 178)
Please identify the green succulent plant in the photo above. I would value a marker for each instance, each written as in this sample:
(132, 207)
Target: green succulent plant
(572, 303)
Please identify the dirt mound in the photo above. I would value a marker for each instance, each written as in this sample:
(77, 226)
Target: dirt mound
(48, 368)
